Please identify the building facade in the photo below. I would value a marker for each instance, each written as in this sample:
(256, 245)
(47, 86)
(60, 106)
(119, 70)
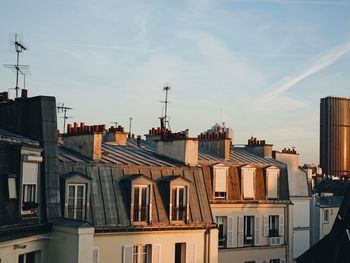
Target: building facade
(335, 136)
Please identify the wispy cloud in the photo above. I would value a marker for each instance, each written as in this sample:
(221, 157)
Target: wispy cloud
(306, 2)
(322, 62)
(127, 48)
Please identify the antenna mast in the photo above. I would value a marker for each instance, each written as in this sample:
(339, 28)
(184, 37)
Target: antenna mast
(130, 119)
(166, 88)
(23, 69)
(65, 117)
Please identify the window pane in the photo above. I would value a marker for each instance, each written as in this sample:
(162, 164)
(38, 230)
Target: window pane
(248, 183)
(12, 188)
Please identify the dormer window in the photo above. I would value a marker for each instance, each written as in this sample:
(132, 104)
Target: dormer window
(141, 202)
(247, 178)
(272, 178)
(76, 195)
(139, 189)
(178, 203)
(220, 181)
(30, 181)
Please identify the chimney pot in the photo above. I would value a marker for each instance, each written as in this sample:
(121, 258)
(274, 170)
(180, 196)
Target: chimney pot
(24, 94)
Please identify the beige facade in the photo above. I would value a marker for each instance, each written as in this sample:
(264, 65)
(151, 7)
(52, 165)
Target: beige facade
(161, 245)
(263, 246)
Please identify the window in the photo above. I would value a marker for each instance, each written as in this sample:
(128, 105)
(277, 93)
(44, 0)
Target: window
(140, 203)
(277, 260)
(30, 175)
(248, 182)
(76, 196)
(178, 203)
(142, 254)
(272, 175)
(273, 226)
(220, 181)
(180, 252)
(11, 183)
(326, 216)
(32, 257)
(249, 230)
(221, 222)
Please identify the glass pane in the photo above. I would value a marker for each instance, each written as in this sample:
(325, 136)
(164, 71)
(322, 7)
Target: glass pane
(71, 191)
(80, 191)
(12, 188)
(144, 196)
(21, 259)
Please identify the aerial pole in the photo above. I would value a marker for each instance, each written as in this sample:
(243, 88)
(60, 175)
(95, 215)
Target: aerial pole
(130, 120)
(166, 88)
(23, 69)
(64, 109)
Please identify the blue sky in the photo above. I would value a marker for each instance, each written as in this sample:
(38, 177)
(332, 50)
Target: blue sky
(263, 64)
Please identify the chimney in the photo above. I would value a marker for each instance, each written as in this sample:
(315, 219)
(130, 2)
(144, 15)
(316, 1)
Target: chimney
(138, 140)
(116, 136)
(4, 96)
(154, 134)
(178, 146)
(85, 140)
(24, 94)
(259, 147)
(216, 143)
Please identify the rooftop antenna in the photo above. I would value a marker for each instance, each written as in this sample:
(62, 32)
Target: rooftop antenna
(115, 123)
(166, 88)
(64, 109)
(23, 69)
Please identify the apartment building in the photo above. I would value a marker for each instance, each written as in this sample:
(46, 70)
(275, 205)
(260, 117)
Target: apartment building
(146, 200)
(249, 198)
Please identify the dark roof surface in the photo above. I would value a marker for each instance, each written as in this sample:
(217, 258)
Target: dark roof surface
(332, 186)
(10, 137)
(330, 201)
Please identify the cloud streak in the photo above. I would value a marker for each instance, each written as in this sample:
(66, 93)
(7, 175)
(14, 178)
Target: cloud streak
(306, 2)
(321, 63)
(127, 48)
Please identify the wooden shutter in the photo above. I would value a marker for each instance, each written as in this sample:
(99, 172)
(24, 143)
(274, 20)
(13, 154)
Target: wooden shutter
(281, 226)
(156, 253)
(272, 182)
(266, 226)
(229, 231)
(240, 237)
(127, 254)
(257, 231)
(248, 183)
(95, 255)
(190, 252)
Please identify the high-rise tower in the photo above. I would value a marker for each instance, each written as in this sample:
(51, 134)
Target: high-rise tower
(335, 136)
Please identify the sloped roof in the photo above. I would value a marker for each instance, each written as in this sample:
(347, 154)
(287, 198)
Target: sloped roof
(13, 138)
(332, 186)
(330, 201)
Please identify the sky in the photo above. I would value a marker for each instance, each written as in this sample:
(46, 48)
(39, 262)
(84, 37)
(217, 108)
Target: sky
(261, 66)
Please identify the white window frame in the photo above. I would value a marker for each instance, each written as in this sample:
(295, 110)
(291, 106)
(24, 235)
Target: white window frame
(140, 252)
(148, 203)
(185, 205)
(12, 186)
(29, 182)
(222, 220)
(252, 229)
(248, 171)
(75, 198)
(325, 216)
(222, 194)
(277, 225)
(270, 172)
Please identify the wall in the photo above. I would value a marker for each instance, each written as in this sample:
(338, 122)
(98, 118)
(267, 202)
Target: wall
(111, 244)
(71, 244)
(301, 241)
(88, 145)
(185, 151)
(9, 254)
(264, 251)
(325, 228)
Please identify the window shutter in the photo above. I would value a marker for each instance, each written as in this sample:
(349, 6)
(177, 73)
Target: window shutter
(220, 180)
(281, 226)
(229, 231)
(272, 182)
(156, 253)
(30, 173)
(248, 184)
(95, 255)
(240, 231)
(266, 226)
(257, 231)
(127, 254)
(190, 252)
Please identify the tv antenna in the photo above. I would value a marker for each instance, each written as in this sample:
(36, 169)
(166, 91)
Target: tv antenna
(17, 68)
(64, 110)
(115, 123)
(130, 120)
(166, 88)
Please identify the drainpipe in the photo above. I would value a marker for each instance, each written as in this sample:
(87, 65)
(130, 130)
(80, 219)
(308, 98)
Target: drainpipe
(207, 246)
(288, 233)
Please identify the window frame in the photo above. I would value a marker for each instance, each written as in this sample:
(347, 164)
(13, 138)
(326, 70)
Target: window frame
(222, 221)
(274, 232)
(75, 198)
(325, 216)
(219, 195)
(12, 187)
(148, 203)
(249, 239)
(177, 188)
(244, 171)
(140, 252)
